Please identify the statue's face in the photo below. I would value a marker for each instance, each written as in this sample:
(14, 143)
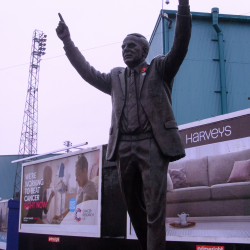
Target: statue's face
(132, 51)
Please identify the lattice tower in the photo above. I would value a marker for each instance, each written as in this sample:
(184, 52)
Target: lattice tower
(28, 141)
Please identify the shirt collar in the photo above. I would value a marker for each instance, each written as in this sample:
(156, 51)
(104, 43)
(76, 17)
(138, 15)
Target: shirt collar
(138, 68)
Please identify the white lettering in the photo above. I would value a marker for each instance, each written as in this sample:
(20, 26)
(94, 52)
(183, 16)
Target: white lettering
(195, 137)
(221, 132)
(208, 135)
(31, 198)
(202, 134)
(214, 133)
(30, 176)
(227, 130)
(33, 183)
(189, 139)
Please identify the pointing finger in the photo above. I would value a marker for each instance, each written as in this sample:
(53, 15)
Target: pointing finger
(61, 18)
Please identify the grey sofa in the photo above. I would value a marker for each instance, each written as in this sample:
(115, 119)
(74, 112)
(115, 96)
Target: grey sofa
(209, 193)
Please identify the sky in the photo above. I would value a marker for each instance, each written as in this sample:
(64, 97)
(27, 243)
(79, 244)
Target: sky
(70, 109)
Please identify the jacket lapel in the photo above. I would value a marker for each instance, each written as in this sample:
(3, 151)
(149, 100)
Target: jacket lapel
(122, 80)
(142, 78)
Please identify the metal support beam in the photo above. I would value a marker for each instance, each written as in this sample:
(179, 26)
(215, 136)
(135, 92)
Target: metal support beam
(52, 152)
(215, 15)
(165, 32)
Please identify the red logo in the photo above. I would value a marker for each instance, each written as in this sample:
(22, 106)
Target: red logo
(143, 70)
(54, 239)
(210, 248)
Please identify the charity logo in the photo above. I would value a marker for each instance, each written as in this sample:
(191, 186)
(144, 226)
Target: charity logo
(78, 210)
(72, 205)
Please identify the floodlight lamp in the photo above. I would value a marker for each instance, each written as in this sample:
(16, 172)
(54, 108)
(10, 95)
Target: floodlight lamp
(45, 36)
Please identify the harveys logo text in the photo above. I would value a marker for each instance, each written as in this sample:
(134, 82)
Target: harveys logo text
(207, 135)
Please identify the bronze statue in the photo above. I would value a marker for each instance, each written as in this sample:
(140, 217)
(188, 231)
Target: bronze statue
(144, 136)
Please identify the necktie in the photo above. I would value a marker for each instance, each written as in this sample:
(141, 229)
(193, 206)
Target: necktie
(133, 122)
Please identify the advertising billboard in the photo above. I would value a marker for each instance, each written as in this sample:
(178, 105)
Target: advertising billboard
(208, 191)
(3, 223)
(61, 195)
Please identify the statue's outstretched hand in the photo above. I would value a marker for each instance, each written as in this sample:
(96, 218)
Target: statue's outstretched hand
(183, 2)
(62, 29)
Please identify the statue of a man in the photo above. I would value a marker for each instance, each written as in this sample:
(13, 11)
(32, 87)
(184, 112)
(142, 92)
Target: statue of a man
(144, 136)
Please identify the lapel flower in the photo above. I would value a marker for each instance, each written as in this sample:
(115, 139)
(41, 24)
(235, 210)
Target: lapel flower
(143, 70)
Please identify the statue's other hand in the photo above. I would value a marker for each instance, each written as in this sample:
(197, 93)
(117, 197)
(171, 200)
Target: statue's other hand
(62, 31)
(183, 2)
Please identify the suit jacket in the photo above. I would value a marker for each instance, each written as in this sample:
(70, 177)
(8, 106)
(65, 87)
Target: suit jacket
(155, 93)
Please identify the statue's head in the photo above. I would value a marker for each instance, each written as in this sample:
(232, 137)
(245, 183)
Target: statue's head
(135, 49)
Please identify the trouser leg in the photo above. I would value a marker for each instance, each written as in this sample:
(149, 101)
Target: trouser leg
(153, 165)
(132, 191)
(142, 171)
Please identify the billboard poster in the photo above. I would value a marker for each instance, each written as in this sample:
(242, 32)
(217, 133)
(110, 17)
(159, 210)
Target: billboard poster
(61, 195)
(3, 223)
(208, 191)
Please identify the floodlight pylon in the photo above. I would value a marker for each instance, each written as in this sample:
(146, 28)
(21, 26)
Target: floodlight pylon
(28, 140)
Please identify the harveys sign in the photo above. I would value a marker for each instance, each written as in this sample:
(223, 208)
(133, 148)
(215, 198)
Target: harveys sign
(225, 130)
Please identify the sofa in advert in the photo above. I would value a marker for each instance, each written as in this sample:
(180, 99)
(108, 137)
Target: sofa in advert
(208, 191)
(61, 195)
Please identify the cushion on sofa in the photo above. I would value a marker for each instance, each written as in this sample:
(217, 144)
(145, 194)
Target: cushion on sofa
(196, 170)
(220, 166)
(189, 194)
(240, 172)
(227, 191)
(179, 178)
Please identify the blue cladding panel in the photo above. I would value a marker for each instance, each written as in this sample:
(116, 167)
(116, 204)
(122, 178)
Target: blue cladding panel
(156, 45)
(237, 55)
(194, 97)
(7, 176)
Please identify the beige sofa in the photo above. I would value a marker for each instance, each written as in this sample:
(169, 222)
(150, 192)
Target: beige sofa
(209, 193)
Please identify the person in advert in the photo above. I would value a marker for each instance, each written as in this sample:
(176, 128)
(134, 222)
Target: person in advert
(36, 212)
(86, 190)
(144, 136)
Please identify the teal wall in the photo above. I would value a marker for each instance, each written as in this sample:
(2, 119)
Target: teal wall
(195, 94)
(7, 174)
(156, 47)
